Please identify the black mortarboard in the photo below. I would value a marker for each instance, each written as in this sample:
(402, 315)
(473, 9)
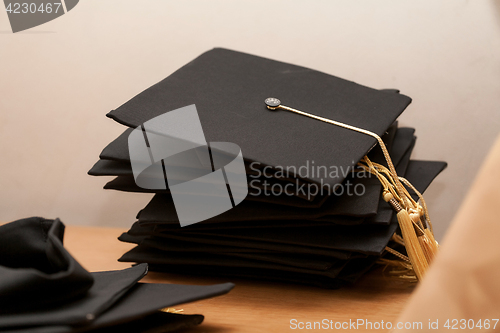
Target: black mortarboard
(262, 235)
(229, 89)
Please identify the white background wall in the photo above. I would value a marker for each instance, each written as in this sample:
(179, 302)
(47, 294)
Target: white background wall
(58, 80)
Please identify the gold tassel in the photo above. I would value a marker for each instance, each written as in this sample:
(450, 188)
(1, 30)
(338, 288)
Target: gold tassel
(413, 248)
(421, 220)
(424, 253)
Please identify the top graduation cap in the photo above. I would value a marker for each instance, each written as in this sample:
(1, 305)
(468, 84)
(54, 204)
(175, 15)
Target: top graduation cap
(229, 88)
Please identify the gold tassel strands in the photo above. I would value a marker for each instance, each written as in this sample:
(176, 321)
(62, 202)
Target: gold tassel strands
(416, 214)
(426, 249)
(413, 247)
(431, 244)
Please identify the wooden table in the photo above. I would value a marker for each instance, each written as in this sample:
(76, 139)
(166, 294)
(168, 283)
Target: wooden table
(255, 306)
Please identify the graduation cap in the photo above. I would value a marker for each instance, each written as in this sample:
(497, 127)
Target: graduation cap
(334, 136)
(44, 289)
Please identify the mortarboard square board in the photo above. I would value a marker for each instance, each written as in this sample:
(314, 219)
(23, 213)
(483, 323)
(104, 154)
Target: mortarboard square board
(229, 89)
(322, 238)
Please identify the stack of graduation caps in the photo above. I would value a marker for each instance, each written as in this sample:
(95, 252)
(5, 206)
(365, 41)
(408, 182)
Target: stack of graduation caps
(307, 218)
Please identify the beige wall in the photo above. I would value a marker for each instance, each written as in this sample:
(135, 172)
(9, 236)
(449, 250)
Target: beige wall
(58, 80)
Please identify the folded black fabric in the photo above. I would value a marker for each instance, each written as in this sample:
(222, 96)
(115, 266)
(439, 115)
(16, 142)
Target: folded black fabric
(108, 287)
(134, 308)
(43, 289)
(143, 299)
(35, 268)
